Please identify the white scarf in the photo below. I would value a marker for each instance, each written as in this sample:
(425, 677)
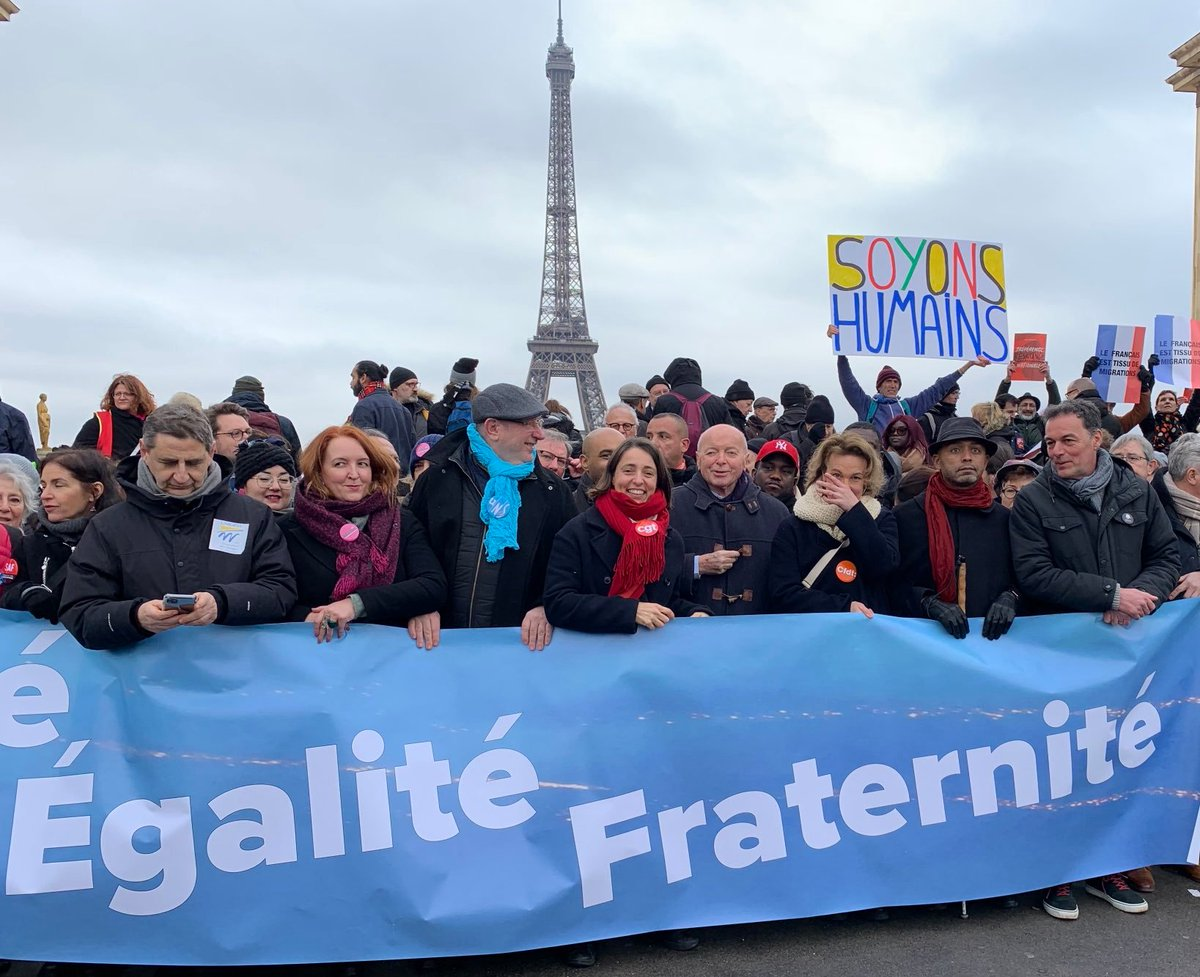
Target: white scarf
(811, 509)
(1187, 507)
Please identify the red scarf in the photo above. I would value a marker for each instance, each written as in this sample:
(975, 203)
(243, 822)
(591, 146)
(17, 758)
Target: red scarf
(370, 387)
(938, 495)
(642, 527)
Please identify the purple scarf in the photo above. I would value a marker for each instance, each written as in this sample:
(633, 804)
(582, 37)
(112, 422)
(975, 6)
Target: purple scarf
(364, 559)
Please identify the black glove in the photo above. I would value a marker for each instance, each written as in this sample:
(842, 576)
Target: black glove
(1091, 364)
(949, 616)
(1145, 378)
(1153, 361)
(1000, 616)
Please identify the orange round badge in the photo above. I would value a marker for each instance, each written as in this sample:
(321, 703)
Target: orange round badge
(647, 527)
(846, 571)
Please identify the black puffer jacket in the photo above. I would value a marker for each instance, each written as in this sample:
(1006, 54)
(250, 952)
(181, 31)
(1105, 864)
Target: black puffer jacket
(1068, 557)
(145, 547)
(41, 573)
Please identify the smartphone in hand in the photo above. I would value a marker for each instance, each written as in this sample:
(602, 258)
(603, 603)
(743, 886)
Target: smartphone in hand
(179, 602)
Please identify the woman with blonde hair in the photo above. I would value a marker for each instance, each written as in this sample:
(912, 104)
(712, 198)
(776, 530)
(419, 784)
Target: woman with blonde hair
(998, 427)
(116, 428)
(837, 553)
(358, 554)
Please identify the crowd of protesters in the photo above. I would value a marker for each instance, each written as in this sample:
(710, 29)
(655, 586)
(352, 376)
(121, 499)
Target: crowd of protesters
(485, 508)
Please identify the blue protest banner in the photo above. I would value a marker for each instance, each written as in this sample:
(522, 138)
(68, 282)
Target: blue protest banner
(245, 796)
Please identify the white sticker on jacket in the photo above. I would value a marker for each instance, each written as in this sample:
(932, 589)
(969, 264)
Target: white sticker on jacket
(229, 537)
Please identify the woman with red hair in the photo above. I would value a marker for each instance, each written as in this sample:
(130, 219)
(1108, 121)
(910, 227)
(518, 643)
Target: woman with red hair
(116, 428)
(358, 555)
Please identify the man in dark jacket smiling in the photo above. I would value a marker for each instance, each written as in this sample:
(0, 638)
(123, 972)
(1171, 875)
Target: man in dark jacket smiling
(180, 531)
(492, 513)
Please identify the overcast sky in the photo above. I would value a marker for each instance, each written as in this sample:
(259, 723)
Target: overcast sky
(282, 187)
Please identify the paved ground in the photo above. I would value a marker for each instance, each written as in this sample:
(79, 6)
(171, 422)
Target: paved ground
(925, 942)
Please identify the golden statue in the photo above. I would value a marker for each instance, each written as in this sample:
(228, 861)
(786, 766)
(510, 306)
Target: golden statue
(43, 414)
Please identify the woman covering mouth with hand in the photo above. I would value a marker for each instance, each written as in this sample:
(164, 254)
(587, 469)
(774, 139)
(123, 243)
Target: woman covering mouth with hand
(617, 567)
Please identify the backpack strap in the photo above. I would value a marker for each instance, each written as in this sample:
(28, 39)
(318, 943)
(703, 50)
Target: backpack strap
(821, 564)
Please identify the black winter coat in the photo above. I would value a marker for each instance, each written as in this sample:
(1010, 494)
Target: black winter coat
(145, 547)
(41, 572)
(381, 411)
(446, 494)
(980, 538)
(1185, 546)
(792, 419)
(256, 405)
(418, 587)
(873, 553)
(15, 436)
(707, 523)
(685, 379)
(1069, 558)
(127, 432)
(580, 573)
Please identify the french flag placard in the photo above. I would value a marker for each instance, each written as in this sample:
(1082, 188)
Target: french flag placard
(1119, 349)
(1177, 343)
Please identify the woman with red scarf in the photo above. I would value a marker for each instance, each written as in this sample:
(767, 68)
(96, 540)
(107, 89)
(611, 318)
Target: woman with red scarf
(358, 555)
(116, 428)
(617, 567)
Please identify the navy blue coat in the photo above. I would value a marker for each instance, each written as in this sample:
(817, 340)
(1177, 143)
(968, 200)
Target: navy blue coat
(874, 553)
(15, 436)
(381, 411)
(580, 573)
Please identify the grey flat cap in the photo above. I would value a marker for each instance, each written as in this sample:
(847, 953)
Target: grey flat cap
(506, 402)
(764, 402)
(632, 391)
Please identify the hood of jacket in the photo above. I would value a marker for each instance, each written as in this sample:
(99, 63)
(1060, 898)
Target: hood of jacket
(682, 370)
(252, 402)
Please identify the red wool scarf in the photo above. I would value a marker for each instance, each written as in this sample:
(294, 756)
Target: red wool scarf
(939, 495)
(642, 527)
(370, 387)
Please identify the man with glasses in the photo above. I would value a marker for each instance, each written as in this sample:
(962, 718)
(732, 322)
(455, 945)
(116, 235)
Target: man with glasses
(492, 514)
(1013, 476)
(622, 418)
(954, 544)
(230, 427)
(1137, 453)
(554, 452)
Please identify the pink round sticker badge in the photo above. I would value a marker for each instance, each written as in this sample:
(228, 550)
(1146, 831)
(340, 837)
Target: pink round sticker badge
(349, 532)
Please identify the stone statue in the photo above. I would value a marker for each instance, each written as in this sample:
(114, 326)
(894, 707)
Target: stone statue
(43, 414)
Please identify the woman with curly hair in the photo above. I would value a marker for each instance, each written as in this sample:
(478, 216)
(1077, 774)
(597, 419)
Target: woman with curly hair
(116, 428)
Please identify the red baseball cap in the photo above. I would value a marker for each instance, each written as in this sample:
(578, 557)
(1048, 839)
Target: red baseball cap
(779, 446)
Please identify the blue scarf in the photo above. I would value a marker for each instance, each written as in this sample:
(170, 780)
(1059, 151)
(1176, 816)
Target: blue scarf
(501, 499)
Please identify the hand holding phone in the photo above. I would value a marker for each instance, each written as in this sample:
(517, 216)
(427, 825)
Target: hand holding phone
(179, 602)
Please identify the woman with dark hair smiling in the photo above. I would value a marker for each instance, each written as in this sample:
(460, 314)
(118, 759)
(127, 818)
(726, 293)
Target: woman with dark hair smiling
(75, 484)
(116, 428)
(616, 567)
(358, 555)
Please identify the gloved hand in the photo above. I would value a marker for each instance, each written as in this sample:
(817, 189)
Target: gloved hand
(949, 616)
(1090, 365)
(1145, 378)
(1153, 361)
(1000, 616)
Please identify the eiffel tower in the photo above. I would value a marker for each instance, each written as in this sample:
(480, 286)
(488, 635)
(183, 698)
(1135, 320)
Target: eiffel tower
(562, 346)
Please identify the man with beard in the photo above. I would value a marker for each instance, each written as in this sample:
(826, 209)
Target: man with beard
(376, 409)
(777, 470)
(955, 558)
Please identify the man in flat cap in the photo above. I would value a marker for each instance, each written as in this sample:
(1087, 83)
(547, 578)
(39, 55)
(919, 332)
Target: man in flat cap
(492, 513)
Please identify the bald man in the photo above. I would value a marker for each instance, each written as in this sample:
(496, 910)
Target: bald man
(598, 447)
(728, 524)
(669, 434)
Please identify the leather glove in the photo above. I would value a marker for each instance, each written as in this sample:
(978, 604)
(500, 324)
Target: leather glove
(1090, 365)
(1000, 616)
(1145, 378)
(949, 616)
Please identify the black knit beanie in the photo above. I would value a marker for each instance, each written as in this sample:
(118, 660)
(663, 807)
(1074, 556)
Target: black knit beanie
(257, 456)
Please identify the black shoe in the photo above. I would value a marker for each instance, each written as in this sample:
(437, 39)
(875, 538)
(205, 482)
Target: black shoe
(879, 915)
(681, 940)
(1115, 890)
(1010, 902)
(580, 955)
(1060, 902)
